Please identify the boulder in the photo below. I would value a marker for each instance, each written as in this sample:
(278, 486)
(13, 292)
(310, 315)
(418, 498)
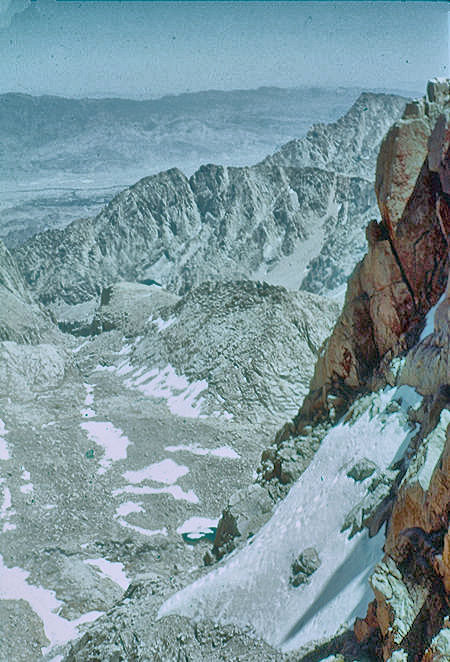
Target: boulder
(304, 566)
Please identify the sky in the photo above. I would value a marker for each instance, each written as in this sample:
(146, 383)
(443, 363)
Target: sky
(149, 49)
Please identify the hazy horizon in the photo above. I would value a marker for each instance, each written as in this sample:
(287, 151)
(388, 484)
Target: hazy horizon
(99, 96)
(147, 50)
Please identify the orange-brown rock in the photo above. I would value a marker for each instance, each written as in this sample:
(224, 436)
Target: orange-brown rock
(401, 157)
(406, 267)
(412, 583)
(423, 499)
(439, 651)
(404, 150)
(365, 627)
(403, 275)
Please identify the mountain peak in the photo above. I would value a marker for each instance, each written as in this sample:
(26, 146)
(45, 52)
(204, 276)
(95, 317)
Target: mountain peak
(348, 146)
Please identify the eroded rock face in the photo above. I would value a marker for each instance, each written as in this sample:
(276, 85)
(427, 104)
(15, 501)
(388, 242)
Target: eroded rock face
(404, 149)
(411, 585)
(21, 319)
(405, 270)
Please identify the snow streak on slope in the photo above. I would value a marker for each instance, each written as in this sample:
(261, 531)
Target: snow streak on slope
(14, 586)
(112, 570)
(183, 397)
(253, 584)
(195, 449)
(4, 452)
(112, 439)
(429, 320)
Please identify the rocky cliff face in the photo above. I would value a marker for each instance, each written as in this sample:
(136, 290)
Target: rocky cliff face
(21, 320)
(349, 146)
(396, 306)
(264, 222)
(411, 585)
(406, 268)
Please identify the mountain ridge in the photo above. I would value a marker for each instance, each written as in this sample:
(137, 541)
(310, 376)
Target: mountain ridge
(246, 221)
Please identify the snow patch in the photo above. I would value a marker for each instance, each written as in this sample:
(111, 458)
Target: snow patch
(124, 368)
(128, 507)
(160, 323)
(132, 507)
(183, 398)
(111, 569)
(4, 451)
(429, 319)
(6, 509)
(195, 449)
(104, 368)
(58, 630)
(9, 527)
(126, 349)
(77, 349)
(167, 472)
(48, 425)
(141, 530)
(174, 490)
(112, 439)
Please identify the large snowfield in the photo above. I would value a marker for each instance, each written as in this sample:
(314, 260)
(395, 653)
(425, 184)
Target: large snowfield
(252, 587)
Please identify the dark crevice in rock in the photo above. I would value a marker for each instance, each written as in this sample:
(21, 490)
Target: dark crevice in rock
(402, 271)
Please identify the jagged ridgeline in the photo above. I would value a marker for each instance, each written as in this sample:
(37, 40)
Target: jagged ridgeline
(296, 219)
(143, 483)
(64, 159)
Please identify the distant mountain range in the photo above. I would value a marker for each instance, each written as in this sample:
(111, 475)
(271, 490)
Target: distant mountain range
(63, 159)
(302, 210)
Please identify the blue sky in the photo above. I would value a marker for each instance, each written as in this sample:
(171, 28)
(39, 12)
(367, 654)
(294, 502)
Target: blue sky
(146, 49)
